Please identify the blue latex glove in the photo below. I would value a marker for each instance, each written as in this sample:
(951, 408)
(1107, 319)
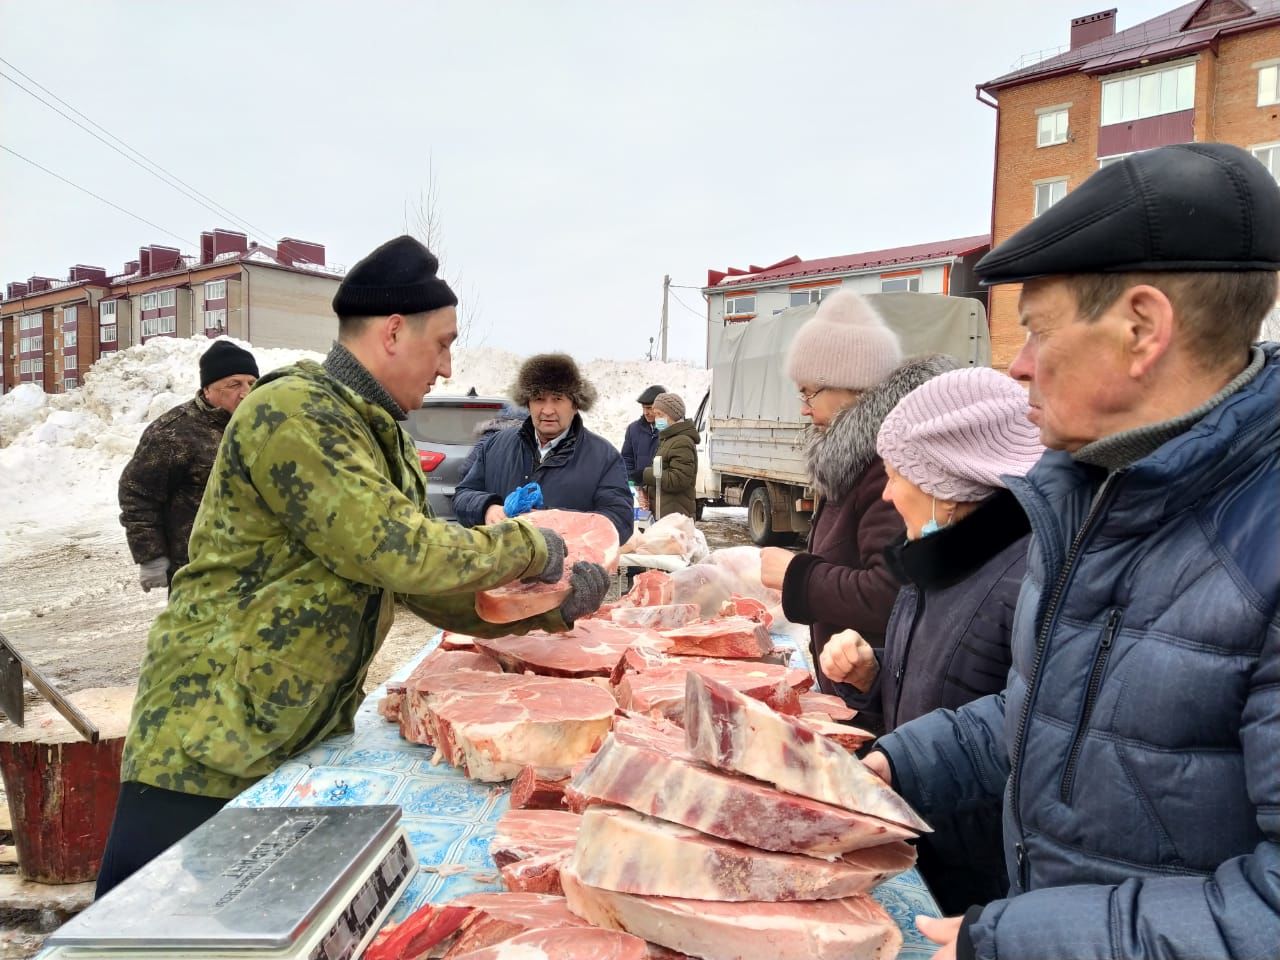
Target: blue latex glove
(523, 499)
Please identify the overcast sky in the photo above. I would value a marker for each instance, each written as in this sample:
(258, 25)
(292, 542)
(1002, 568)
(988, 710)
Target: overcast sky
(581, 150)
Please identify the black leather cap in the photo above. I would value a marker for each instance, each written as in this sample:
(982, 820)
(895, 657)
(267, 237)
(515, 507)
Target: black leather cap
(1194, 206)
(651, 394)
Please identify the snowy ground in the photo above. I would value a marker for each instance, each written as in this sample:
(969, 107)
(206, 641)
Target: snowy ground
(74, 606)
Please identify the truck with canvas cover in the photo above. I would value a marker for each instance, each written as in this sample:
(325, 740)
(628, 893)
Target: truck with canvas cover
(753, 435)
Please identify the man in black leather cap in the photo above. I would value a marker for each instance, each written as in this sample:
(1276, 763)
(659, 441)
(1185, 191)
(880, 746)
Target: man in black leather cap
(1134, 754)
(641, 442)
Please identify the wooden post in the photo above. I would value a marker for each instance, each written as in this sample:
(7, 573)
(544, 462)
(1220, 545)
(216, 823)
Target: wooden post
(62, 789)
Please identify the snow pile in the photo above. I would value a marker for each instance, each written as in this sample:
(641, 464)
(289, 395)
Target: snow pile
(61, 455)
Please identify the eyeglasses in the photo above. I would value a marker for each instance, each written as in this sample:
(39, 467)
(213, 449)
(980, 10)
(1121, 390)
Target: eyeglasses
(807, 398)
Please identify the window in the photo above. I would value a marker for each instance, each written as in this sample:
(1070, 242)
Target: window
(37, 365)
(24, 366)
(900, 284)
(27, 344)
(69, 362)
(1270, 157)
(1049, 193)
(166, 298)
(1269, 85)
(1149, 94)
(106, 353)
(148, 301)
(68, 316)
(158, 325)
(31, 321)
(215, 319)
(107, 333)
(215, 290)
(107, 311)
(70, 383)
(737, 306)
(1051, 128)
(801, 298)
(69, 338)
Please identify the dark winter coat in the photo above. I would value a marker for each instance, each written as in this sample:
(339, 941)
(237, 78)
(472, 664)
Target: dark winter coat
(509, 418)
(948, 644)
(843, 580)
(583, 472)
(638, 448)
(1136, 743)
(161, 487)
(678, 448)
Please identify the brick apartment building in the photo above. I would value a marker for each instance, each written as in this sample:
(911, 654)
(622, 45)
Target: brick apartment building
(53, 330)
(1207, 71)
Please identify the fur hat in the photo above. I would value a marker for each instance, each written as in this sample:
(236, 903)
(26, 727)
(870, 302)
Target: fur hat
(552, 373)
(670, 404)
(957, 435)
(845, 345)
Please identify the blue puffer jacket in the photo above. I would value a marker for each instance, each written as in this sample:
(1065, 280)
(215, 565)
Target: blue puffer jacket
(638, 449)
(583, 472)
(1142, 713)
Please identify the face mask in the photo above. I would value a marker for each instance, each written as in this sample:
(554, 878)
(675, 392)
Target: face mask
(661, 423)
(931, 527)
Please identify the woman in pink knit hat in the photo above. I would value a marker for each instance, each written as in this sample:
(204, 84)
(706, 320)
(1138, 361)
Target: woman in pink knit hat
(947, 448)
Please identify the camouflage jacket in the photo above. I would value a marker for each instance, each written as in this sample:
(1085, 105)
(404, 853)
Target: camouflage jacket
(161, 487)
(314, 521)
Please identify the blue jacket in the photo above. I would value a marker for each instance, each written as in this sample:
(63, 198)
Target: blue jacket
(583, 472)
(1137, 743)
(638, 449)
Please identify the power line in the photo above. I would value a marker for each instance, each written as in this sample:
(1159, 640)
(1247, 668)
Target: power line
(194, 194)
(697, 313)
(117, 206)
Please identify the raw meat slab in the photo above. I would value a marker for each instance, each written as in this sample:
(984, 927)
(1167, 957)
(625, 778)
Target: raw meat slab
(470, 922)
(579, 943)
(663, 617)
(749, 607)
(619, 849)
(495, 725)
(731, 731)
(587, 536)
(591, 649)
(532, 792)
(658, 688)
(644, 765)
(652, 588)
(727, 637)
(811, 701)
(438, 668)
(530, 847)
(854, 928)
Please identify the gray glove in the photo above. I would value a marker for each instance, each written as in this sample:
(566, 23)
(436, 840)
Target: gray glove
(554, 569)
(589, 583)
(154, 573)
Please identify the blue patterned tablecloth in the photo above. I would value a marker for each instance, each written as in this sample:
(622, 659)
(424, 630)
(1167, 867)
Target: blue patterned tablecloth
(450, 818)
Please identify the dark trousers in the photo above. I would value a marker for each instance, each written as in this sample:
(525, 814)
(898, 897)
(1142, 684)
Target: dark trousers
(148, 821)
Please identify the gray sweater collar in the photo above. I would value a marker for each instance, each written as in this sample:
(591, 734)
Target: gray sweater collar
(342, 365)
(1123, 449)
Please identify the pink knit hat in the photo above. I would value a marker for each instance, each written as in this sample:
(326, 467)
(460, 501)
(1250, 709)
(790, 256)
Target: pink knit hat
(845, 345)
(958, 433)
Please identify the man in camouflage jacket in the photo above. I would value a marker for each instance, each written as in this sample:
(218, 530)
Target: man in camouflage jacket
(315, 521)
(161, 487)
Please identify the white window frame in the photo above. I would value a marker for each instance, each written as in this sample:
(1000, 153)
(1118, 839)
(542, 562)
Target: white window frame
(1268, 83)
(69, 338)
(31, 321)
(1172, 87)
(810, 295)
(1053, 126)
(149, 301)
(166, 298)
(69, 383)
(733, 308)
(1272, 160)
(108, 309)
(215, 290)
(37, 365)
(24, 366)
(215, 319)
(107, 333)
(70, 362)
(907, 284)
(69, 315)
(1050, 183)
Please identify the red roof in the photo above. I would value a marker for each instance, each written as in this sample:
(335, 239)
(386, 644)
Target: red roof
(793, 268)
(1160, 38)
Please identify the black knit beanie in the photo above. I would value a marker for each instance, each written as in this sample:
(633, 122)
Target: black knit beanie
(398, 277)
(225, 359)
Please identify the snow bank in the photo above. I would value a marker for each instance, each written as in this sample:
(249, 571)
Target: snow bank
(61, 455)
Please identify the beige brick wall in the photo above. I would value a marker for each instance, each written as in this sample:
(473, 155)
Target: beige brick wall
(288, 309)
(1226, 110)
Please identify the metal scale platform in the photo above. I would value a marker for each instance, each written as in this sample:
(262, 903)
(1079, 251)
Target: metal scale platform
(295, 883)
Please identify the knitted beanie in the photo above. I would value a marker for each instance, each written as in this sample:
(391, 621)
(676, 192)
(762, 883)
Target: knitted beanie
(845, 345)
(957, 434)
(224, 359)
(398, 277)
(670, 404)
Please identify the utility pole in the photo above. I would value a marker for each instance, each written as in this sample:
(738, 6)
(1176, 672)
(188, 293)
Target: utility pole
(666, 287)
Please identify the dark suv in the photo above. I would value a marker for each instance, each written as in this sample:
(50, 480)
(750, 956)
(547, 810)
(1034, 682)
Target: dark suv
(444, 429)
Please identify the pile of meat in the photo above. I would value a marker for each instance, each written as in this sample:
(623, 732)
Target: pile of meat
(532, 707)
(744, 834)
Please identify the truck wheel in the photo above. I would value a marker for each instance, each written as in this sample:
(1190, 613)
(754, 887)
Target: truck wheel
(698, 507)
(760, 519)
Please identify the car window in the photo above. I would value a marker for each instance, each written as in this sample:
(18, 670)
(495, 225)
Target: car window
(448, 424)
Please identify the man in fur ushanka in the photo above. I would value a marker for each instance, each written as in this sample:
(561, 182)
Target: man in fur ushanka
(576, 469)
(848, 367)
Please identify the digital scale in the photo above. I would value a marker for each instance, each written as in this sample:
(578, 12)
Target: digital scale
(294, 883)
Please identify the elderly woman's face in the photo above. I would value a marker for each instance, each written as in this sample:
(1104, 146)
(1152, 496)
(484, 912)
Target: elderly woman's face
(821, 404)
(914, 505)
